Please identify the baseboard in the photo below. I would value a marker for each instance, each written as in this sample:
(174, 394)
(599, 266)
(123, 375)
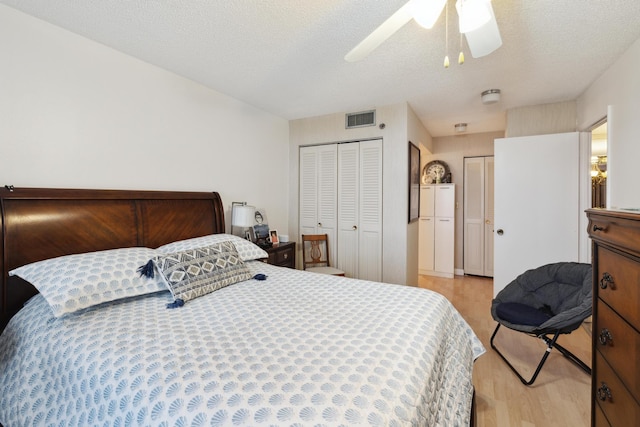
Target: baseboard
(436, 273)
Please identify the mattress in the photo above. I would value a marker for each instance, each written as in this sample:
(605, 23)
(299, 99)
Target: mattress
(295, 349)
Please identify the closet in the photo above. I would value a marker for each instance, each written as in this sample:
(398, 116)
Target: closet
(437, 230)
(341, 195)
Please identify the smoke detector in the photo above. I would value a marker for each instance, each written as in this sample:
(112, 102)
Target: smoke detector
(490, 96)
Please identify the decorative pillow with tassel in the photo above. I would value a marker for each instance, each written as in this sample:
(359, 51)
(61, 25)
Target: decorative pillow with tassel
(192, 273)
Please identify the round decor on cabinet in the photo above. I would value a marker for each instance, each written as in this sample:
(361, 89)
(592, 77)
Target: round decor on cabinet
(435, 172)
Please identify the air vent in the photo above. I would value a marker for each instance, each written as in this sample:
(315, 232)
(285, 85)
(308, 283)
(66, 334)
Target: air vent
(357, 120)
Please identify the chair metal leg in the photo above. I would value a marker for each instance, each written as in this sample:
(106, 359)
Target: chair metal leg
(551, 343)
(572, 357)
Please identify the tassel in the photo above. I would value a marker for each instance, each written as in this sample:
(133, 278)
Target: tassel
(177, 303)
(260, 276)
(146, 270)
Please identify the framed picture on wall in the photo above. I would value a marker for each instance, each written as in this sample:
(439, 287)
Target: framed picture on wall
(414, 182)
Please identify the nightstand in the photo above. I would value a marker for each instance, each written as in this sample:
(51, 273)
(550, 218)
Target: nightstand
(282, 254)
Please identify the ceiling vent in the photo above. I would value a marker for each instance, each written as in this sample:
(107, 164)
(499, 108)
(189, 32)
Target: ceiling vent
(357, 120)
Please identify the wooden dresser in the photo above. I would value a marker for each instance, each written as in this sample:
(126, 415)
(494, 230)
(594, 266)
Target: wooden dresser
(615, 384)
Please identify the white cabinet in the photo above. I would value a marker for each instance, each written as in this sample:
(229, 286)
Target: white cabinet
(355, 177)
(437, 230)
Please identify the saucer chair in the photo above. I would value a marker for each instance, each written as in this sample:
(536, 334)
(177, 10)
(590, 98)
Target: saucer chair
(545, 302)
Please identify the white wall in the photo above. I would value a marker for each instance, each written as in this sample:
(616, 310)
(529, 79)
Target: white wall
(397, 256)
(76, 114)
(616, 94)
(419, 135)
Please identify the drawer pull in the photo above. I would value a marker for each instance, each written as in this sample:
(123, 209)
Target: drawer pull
(604, 392)
(605, 337)
(286, 256)
(606, 281)
(596, 228)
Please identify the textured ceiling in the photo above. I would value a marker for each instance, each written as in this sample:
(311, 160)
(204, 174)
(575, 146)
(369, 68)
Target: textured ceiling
(286, 56)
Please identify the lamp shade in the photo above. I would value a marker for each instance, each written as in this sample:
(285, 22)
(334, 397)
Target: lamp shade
(243, 216)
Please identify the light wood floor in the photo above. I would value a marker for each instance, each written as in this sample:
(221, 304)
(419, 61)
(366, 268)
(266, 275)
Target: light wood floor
(560, 396)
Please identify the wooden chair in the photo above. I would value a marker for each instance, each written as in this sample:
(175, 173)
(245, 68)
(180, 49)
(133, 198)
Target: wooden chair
(315, 255)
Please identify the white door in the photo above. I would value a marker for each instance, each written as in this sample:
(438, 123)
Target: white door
(444, 247)
(489, 214)
(536, 203)
(318, 192)
(370, 221)
(427, 201)
(360, 209)
(348, 195)
(426, 244)
(478, 216)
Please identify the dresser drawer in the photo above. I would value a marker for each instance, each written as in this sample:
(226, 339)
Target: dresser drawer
(618, 284)
(613, 398)
(283, 255)
(617, 228)
(619, 344)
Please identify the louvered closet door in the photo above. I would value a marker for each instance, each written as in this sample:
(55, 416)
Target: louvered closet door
(318, 193)
(360, 209)
(348, 204)
(370, 228)
(308, 190)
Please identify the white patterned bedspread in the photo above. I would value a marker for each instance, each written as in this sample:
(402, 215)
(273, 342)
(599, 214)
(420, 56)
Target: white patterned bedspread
(298, 349)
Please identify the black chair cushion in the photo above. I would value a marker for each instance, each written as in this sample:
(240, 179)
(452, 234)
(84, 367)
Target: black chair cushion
(522, 314)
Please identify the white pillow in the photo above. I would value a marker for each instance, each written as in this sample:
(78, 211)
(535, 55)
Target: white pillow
(73, 282)
(246, 250)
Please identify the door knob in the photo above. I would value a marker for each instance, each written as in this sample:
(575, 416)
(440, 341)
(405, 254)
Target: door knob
(355, 227)
(500, 231)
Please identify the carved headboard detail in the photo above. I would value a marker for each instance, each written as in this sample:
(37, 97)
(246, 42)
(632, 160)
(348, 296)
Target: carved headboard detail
(41, 223)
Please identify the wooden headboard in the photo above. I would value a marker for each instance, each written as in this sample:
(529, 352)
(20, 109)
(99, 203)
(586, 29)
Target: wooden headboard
(41, 223)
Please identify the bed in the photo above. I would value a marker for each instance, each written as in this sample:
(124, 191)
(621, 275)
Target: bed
(294, 349)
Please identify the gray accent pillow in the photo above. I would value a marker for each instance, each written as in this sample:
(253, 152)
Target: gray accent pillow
(196, 272)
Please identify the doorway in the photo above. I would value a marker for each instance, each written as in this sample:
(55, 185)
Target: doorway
(599, 165)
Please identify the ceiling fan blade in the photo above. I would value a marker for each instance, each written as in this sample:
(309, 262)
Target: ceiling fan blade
(486, 39)
(380, 34)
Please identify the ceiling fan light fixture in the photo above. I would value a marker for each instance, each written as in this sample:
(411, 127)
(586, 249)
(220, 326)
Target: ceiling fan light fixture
(472, 14)
(426, 12)
(486, 39)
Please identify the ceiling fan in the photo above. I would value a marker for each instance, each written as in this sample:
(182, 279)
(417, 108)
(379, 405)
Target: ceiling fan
(476, 21)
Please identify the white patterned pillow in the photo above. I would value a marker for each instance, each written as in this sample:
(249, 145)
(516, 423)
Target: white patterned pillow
(247, 250)
(196, 272)
(72, 282)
